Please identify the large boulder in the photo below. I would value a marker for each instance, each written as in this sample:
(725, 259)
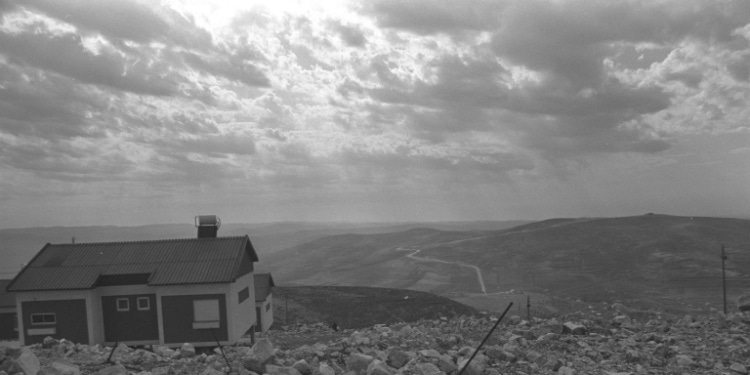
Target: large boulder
(261, 355)
(20, 360)
(358, 362)
(59, 367)
(574, 328)
(743, 302)
(187, 350)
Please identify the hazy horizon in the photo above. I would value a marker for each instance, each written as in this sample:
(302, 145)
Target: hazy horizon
(130, 112)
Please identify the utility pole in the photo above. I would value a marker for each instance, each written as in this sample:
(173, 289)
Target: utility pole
(528, 308)
(724, 278)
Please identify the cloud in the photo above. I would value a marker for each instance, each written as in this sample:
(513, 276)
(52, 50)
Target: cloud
(429, 17)
(569, 40)
(689, 77)
(211, 145)
(134, 20)
(350, 35)
(65, 54)
(230, 68)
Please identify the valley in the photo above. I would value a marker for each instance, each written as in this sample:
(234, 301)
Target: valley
(651, 262)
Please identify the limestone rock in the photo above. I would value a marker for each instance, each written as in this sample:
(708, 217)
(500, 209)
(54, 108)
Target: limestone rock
(743, 302)
(358, 362)
(20, 360)
(303, 367)
(113, 370)
(163, 351)
(324, 369)
(574, 328)
(60, 367)
(738, 368)
(281, 370)
(378, 367)
(429, 369)
(684, 360)
(187, 350)
(397, 358)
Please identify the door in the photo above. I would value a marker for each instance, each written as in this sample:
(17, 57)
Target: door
(258, 320)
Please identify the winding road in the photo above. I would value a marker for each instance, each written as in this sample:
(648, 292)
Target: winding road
(413, 255)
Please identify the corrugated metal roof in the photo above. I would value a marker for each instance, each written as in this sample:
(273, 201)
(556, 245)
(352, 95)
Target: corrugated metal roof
(263, 284)
(6, 299)
(170, 262)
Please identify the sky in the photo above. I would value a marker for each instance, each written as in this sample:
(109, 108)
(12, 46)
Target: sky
(141, 112)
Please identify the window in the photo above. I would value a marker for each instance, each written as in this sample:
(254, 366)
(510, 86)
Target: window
(243, 294)
(43, 318)
(123, 304)
(143, 303)
(205, 313)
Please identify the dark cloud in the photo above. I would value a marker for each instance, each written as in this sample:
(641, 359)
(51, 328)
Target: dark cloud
(44, 105)
(740, 70)
(127, 20)
(569, 41)
(62, 160)
(430, 17)
(228, 67)
(350, 35)
(689, 77)
(64, 54)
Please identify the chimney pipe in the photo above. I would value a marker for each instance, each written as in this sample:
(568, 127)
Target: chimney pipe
(208, 225)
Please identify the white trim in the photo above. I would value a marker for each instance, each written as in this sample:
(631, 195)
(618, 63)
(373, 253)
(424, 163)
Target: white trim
(117, 304)
(33, 323)
(138, 303)
(205, 325)
(41, 331)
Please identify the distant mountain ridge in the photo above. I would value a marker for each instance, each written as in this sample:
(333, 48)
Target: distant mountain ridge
(18, 245)
(653, 260)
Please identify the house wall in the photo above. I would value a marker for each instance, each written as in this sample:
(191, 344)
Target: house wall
(266, 313)
(68, 320)
(236, 319)
(242, 313)
(131, 322)
(33, 301)
(182, 315)
(8, 323)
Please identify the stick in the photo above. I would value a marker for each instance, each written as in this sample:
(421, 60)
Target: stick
(485, 339)
(222, 351)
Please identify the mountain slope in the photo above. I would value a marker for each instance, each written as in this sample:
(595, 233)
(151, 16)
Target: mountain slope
(653, 260)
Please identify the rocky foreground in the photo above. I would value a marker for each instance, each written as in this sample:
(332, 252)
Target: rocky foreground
(708, 345)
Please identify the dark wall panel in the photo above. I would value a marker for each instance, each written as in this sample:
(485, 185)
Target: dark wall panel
(177, 315)
(131, 325)
(8, 324)
(70, 315)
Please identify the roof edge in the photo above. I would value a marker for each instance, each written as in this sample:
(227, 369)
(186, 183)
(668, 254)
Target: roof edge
(9, 287)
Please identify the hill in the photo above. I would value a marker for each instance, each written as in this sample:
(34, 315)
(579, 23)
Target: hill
(652, 261)
(357, 307)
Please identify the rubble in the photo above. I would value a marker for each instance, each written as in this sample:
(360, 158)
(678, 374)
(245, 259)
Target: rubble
(714, 344)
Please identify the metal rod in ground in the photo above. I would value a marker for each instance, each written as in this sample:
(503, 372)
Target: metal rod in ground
(109, 359)
(485, 339)
(724, 278)
(222, 351)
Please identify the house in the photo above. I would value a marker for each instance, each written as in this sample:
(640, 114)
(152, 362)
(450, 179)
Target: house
(167, 292)
(8, 320)
(263, 301)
